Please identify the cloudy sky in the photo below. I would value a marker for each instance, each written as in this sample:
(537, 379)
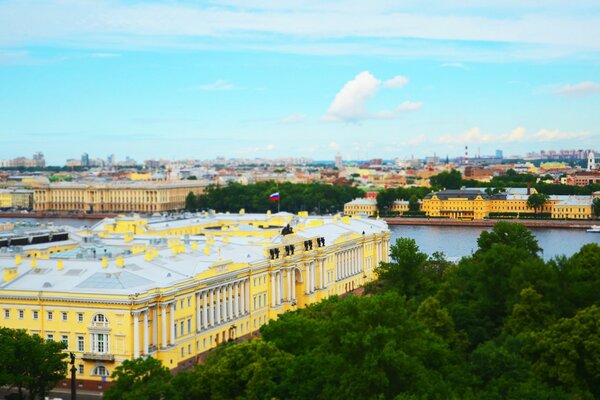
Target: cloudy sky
(268, 78)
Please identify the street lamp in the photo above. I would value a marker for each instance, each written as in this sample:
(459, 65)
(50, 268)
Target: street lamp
(73, 371)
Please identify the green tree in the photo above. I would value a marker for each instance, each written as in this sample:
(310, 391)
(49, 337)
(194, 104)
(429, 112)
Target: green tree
(248, 370)
(191, 203)
(436, 318)
(596, 207)
(530, 314)
(403, 272)
(413, 203)
(30, 362)
(537, 201)
(141, 379)
(511, 234)
(568, 353)
(447, 180)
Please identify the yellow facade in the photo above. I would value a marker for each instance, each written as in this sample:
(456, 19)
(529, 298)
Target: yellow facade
(223, 293)
(471, 205)
(361, 206)
(146, 197)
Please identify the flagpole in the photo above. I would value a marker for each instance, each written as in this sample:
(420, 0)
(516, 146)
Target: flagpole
(278, 201)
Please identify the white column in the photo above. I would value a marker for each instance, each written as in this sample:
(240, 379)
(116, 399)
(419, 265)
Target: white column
(243, 297)
(288, 274)
(230, 303)
(272, 289)
(205, 310)
(313, 279)
(218, 306)
(198, 313)
(211, 308)
(247, 291)
(293, 272)
(155, 326)
(172, 306)
(136, 334)
(236, 300)
(307, 278)
(322, 274)
(279, 287)
(146, 334)
(163, 323)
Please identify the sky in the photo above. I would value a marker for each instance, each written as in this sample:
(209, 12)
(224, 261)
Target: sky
(275, 78)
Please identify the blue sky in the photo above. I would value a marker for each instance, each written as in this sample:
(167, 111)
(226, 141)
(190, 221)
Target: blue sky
(183, 79)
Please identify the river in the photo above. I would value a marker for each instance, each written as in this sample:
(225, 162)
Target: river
(458, 241)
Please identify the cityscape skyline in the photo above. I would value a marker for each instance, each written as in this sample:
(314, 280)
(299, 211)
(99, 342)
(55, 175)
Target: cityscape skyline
(186, 80)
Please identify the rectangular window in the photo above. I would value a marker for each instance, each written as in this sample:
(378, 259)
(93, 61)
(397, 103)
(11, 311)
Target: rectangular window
(182, 352)
(189, 326)
(50, 315)
(204, 343)
(80, 369)
(79, 317)
(21, 314)
(65, 340)
(80, 343)
(181, 304)
(64, 316)
(175, 329)
(6, 313)
(189, 301)
(189, 349)
(35, 315)
(181, 330)
(50, 336)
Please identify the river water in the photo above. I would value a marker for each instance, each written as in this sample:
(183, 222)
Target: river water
(453, 241)
(458, 241)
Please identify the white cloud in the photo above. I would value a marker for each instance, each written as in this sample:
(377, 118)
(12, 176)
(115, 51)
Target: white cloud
(350, 104)
(578, 89)
(396, 82)
(410, 106)
(519, 134)
(293, 119)
(334, 146)
(216, 85)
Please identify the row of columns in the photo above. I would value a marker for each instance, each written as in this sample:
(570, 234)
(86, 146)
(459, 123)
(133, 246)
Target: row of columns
(221, 304)
(349, 262)
(283, 286)
(213, 306)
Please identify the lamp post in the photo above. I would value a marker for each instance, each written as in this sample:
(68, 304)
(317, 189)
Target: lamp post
(73, 371)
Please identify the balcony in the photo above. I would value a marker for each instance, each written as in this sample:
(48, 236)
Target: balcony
(98, 356)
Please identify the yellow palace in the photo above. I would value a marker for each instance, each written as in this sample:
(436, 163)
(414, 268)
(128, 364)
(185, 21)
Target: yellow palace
(175, 288)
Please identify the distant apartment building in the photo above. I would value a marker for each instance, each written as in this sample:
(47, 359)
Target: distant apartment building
(584, 178)
(144, 197)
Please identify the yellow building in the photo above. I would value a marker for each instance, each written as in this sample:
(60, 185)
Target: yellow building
(400, 206)
(145, 197)
(122, 295)
(361, 206)
(16, 198)
(476, 204)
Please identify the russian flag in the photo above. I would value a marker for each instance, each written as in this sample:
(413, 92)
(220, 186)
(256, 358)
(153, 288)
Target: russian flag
(274, 197)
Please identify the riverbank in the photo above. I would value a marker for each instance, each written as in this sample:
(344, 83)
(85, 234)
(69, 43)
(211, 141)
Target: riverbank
(41, 214)
(548, 223)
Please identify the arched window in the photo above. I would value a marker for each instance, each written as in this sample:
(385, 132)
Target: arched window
(100, 370)
(100, 320)
(99, 335)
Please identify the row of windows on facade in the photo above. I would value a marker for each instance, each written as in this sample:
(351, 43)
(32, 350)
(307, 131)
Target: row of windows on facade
(49, 315)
